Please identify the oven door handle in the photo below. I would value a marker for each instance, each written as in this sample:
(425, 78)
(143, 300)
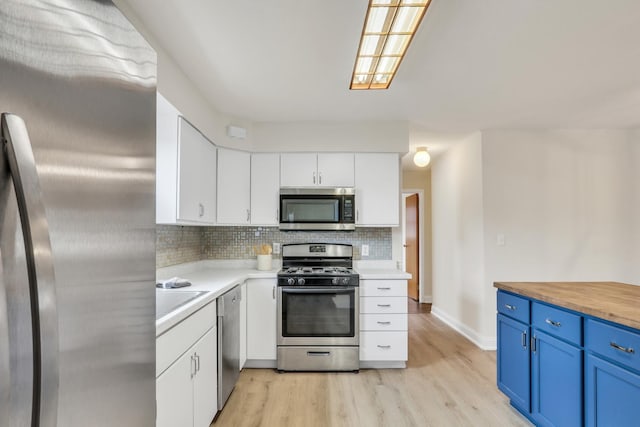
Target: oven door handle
(317, 291)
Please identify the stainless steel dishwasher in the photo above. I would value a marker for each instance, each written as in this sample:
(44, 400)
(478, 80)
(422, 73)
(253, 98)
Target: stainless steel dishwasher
(228, 343)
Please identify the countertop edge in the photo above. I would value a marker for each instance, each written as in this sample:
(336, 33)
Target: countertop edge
(517, 288)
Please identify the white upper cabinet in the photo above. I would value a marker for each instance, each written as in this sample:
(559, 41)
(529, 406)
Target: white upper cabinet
(316, 170)
(234, 187)
(196, 175)
(185, 170)
(377, 183)
(265, 188)
(335, 170)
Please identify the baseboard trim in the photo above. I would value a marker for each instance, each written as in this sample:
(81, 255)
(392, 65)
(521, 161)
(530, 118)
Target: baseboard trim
(484, 342)
(427, 300)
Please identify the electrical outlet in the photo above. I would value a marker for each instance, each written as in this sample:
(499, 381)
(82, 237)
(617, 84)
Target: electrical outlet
(365, 250)
(276, 248)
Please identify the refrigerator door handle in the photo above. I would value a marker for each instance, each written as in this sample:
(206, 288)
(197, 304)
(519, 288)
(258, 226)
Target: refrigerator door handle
(35, 229)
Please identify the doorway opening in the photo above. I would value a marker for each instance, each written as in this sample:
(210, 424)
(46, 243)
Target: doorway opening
(413, 248)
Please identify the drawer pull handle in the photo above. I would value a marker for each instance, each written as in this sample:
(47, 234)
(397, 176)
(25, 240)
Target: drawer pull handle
(384, 305)
(524, 339)
(552, 323)
(384, 346)
(318, 353)
(510, 307)
(384, 289)
(621, 348)
(384, 323)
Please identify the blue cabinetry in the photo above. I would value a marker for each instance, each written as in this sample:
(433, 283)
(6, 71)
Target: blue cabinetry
(556, 381)
(563, 368)
(513, 361)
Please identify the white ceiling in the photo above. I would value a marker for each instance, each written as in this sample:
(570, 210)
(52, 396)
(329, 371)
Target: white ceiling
(473, 65)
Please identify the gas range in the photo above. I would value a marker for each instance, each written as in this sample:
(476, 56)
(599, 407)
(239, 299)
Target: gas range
(317, 264)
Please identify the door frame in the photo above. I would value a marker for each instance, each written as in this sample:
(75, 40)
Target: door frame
(420, 192)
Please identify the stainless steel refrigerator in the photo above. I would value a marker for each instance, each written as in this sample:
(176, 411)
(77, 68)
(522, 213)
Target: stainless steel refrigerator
(77, 216)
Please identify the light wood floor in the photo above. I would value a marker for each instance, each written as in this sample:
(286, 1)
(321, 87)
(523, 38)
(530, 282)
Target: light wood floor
(448, 382)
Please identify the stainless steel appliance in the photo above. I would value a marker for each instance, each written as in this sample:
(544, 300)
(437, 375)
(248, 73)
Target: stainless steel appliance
(77, 216)
(318, 309)
(317, 209)
(228, 343)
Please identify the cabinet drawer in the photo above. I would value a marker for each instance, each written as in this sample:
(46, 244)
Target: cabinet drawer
(383, 322)
(383, 288)
(379, 305)
(513, 306)
(177, 340)
(557, 322)
(613, 342)
(383, 345)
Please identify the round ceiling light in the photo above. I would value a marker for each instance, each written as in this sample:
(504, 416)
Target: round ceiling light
(422, 157)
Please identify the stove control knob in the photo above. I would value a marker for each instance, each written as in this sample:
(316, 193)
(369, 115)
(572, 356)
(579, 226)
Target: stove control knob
(335, 281)
(300, 281)
(345, 281)
(291, 281)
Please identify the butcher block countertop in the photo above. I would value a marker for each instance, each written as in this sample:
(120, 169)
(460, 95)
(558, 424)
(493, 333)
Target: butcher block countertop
(613, 301)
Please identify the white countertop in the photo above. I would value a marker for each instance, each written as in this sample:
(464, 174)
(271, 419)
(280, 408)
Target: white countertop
(217, 277)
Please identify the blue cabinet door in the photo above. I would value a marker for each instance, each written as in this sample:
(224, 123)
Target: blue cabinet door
(556, 382)
(513, 361)
(612, 394)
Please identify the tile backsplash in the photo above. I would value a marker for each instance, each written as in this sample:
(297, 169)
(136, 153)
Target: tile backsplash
(178, 244)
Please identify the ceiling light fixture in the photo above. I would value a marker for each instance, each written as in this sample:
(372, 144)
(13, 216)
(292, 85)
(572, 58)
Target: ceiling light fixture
(422, 157)
(388, 29)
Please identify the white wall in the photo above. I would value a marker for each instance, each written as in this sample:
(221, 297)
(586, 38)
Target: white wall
(458, 240)
(389, 136)
(567, 204)
(566, 201)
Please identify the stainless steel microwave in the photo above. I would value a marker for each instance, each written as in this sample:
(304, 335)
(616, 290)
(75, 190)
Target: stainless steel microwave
(317, 209)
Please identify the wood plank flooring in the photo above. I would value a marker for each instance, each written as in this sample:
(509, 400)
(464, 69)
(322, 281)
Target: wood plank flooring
(448, 382)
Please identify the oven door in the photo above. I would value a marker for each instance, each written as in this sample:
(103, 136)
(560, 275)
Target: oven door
(323, 315)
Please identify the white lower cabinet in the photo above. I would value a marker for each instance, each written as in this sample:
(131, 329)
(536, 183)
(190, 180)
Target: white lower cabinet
(261, 322)
(383, 323)
(186, 390)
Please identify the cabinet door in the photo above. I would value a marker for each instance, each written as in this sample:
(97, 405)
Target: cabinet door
(167, 117)
(513, 361)
(265, 188)
(234, 187)
(261, 319)
(335, 170)
(298, 170)
(205, 381)
(196, 176)
(377, 183)
(174, 393)
(556, 380)
(612, 394)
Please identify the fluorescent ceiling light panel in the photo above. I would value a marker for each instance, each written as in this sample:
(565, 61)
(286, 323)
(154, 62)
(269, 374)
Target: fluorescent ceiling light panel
(387, 32)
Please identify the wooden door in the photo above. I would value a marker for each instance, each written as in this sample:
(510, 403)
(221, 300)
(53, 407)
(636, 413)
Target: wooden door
(412, 245)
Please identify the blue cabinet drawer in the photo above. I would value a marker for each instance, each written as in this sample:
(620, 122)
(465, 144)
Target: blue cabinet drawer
(557, 322)
(513, 306)
(613, 342)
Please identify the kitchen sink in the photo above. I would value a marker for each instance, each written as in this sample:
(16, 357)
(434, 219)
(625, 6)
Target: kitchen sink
(170, 300)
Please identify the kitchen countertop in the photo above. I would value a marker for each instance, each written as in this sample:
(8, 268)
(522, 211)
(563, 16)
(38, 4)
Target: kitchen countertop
(217, 277)
(613, 301)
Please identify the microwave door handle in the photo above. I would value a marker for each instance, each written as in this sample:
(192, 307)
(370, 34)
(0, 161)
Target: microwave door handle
(35, 230)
